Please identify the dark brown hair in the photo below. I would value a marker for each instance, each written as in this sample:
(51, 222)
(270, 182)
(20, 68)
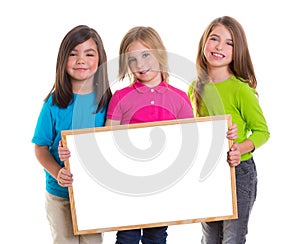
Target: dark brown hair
(62, 88)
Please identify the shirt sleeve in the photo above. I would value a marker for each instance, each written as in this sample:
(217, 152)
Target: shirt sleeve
(114, 111)
(186, 111)
(190, 94)
(43, 134)
(252, 114)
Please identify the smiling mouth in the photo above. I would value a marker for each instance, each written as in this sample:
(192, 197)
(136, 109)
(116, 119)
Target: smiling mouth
(144, 72)
(218, 55)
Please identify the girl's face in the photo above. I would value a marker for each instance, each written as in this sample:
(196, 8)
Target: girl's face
(218, 48)
(83, 61)
(143, 64)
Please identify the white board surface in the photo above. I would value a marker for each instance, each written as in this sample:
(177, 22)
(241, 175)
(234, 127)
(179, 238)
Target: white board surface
(151, 174)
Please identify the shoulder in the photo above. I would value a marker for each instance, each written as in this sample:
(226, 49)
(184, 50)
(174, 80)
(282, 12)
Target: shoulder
(119, 96)
(237, 86)
(244, 94)
(54, 108)
(191, 87)
(239, 83)
(123, 91)
(48, 103)
(176, 90)
(180, 96)
(244, 89)
(49, 99)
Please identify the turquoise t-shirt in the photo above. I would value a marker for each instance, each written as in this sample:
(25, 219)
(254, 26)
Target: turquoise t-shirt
(53, 119)
(235, 97)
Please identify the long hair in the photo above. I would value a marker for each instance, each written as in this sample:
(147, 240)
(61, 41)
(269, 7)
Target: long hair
(62, 88)
(150, 39)
(241, 65)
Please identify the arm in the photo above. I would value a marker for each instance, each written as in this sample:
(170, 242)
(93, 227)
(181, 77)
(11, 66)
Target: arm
(111, 122)
(255, 121)
(63, 176)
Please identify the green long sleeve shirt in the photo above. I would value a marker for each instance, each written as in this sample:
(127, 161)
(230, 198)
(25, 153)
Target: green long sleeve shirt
(238, 99)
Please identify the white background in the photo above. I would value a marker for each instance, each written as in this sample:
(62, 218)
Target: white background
(31, 32)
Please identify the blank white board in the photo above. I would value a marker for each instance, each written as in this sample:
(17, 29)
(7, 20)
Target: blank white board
(150, 174)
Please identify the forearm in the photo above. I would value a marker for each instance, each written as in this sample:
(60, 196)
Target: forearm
(46, 160)
(246, 146)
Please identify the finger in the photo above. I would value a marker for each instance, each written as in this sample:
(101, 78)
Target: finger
(233, 126)
(66, 173)
(234, 157)
(231, 135)
(64, 150)
(65, 183)
(65, 179)
(234, 147)
(234, 164)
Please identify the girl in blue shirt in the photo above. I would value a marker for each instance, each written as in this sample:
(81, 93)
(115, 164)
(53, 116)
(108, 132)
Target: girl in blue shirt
(78, 99)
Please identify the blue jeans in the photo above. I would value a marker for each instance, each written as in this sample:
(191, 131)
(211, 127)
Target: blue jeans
(157, 235)
(235, 231)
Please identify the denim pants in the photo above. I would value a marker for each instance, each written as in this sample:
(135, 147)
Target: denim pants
(157, 235)
(235, 231)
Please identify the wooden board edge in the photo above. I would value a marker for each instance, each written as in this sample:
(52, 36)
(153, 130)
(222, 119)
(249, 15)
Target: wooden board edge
(149, 124)
(232, 175)
(150, 225)
(70, 189)
(143, 125)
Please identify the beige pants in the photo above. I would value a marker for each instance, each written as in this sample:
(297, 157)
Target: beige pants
(60, 220)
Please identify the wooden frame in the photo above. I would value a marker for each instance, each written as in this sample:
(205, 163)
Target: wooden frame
(113, 198)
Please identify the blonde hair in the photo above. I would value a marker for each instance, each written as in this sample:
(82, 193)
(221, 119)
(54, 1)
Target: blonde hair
(150, 39)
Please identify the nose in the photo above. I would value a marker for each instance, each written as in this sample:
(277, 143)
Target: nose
(139, 63)
(219, 47)
(80, 60)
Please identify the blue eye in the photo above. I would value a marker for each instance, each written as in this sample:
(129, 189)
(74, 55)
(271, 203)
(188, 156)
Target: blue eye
(145, 55)
(131, 60)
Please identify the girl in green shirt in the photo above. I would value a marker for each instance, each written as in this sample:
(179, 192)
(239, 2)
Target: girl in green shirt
(226, 85)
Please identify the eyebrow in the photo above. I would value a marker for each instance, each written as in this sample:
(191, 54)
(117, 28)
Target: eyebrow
(216, 35)
(138, 51)
(87, 50)
(90, 50)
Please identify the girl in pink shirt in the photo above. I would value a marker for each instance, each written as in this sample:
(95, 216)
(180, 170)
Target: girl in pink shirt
(143, 58)
(150, 97)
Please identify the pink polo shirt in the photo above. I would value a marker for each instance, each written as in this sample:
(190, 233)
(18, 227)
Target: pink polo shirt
(139, 103)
